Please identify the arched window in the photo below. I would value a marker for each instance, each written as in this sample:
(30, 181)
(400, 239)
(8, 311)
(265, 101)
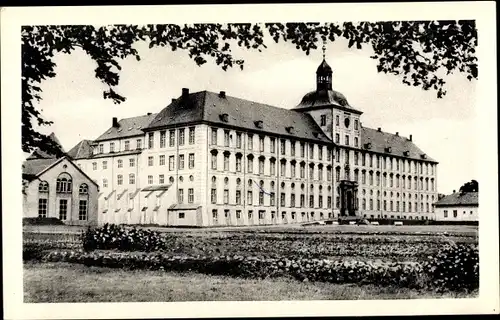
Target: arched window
(64, 183)
(84, 189)
(43, 186)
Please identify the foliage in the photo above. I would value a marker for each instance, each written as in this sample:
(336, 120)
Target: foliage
(471, 186)
(455, 267)
(415, 50)
(42, 221)
(125, 239)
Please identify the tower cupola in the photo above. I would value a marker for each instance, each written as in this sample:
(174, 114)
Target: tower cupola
(324, 75)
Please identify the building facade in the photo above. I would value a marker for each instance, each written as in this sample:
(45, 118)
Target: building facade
(57, 188)
(458, 207)
(211, 159)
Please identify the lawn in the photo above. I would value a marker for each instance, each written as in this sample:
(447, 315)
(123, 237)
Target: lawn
(63, 282)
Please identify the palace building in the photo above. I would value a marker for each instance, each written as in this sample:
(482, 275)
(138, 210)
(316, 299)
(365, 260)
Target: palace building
(212, 159)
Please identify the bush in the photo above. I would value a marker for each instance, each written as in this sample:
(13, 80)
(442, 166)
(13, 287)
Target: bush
(111, 236)
(42, 221)
(455, 267)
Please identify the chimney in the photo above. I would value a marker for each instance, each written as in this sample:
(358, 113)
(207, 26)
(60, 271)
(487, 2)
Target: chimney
(453, 191)
(379, 129)
(149, 113)
(173, 99)
(411, 137)
(397, 134)
(222, 94)
(185, 92)
(115, 122)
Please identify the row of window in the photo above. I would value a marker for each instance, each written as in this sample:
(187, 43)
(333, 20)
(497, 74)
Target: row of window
(181, 140)
(395, 206)
(132, 179)
(43, 209)
(262, 215)
(390, 181)
(151, 162)
(455, 213)
(63, 185)
(386, 163)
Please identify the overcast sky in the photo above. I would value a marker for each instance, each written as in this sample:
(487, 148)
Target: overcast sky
(445, 128)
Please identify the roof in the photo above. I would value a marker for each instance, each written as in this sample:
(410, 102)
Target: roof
(325, 98)
(127, 127)
(324, 67)
(32, 167)
(459, 199)
(39, 154)
(184, 206)
(82, 150)
(157, 187)
(216, 109)
(380, 140)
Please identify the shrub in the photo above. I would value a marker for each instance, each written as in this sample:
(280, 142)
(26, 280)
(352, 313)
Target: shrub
(42, 221)
(455, 267)
(111, 236)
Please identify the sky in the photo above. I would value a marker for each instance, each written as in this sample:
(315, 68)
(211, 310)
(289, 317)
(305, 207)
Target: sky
(445, 129)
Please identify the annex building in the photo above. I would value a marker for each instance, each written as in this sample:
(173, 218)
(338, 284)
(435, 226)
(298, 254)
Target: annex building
(212, 159)
(458, 206)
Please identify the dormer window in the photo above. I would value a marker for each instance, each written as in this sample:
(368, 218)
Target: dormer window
(368, 145)
(315, 134)
(406, 153)
(224, 117)
(290, 130)
(388, 149)
(259, 124)
(323, 120)
(423, 155)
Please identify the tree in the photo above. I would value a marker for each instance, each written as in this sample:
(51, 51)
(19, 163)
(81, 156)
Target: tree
(471, 186)
(416, 51)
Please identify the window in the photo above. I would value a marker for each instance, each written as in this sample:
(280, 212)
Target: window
(320, 152)
(191, 160)
(213, 195)
(282, 199)
(249, 198)
(311, 151)
(111, 147)
(261, 214)
(171, 138)
(337, 120)
(214, 215)
(323, 120)
(63, 183)
(283, 168)
(238, 163)
(101, 148)
(84, 189)
(283, 147)
(150, 161)
(238, 196)
(302, 200)
(131, 178)
(162, 160)
(182, 215)
(261, 198)
(131, 162)
(104, 183)
(180, 196)
(151, 140)
(355, 124)
(94, 165)
(139, 144)
(337, 174)
(226, 161)
(261, 166)
(238, 140)
(191, 135)
(226, 138)
(302, 170)
(346, 140)
(171, 163)
(190, 195)
(337, 154)
(292, 169)
(272, 199)
(127, 145)
(63, 209)
(329, 174)
(337, 138)
(104, 165)
(311, 201)
(446, 213)
(163, 138)
(181, 162)
(182, 136)
(328, 154)
(320, 173)
(250, 142)
(214, 136)
(214, 161)
(292, 200)
(250, 165)
(292, 148)
(42, 208)
(261, 144)
(455, 213)
(150, 179)
(356, 142)
(302, 149)
(82, 210)
(43, 186)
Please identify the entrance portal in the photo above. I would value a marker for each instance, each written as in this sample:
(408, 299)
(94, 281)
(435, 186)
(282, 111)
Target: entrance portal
(348, 196)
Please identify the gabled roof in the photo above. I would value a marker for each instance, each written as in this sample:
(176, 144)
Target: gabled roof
(235, 112)
(39, 154)
(82, 150)
(127, 127)
(32, 167)
(459, 199)
(380, 140)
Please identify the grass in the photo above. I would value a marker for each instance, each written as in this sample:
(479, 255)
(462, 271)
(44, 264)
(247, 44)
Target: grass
(63, 282)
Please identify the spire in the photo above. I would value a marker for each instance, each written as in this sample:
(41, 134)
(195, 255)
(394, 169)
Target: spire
(324, 73)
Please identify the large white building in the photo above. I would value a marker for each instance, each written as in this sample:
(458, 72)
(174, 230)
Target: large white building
(458, 206)
(211, 159)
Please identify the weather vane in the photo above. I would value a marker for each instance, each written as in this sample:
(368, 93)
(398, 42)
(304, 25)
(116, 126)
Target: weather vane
(324, 48)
